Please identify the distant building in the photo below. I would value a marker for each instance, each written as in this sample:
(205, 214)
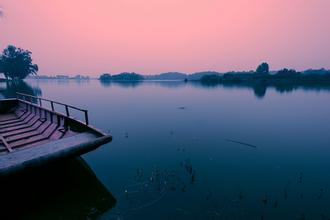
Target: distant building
(62, 77)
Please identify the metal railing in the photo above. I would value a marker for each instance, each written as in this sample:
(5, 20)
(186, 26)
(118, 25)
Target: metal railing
(30, 98)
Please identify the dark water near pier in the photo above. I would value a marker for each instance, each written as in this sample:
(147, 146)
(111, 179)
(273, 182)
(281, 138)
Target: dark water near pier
(191, 151)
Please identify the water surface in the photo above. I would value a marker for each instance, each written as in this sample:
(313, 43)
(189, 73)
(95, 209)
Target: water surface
(193, 151)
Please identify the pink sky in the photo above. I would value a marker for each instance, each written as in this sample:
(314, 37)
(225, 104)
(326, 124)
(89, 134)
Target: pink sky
(153, 36)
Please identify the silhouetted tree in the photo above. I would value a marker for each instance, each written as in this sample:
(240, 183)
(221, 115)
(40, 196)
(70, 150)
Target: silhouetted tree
(127, 77)
(316, 72)
(105, 77)
(263, 68)
(16, 63)
(287, 73)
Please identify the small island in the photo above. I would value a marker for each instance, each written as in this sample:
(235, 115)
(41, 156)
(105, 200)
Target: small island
(121, 77)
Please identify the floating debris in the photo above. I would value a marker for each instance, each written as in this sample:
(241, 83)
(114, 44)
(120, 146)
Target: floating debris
(188, 166)
(146, 190)
(240, 196)
(193, 177)
(300, 179)
(265, 200)
(320, 196)
(242, 143)
(209, 195)
(285, 194)
(183, 189)
(139, 175)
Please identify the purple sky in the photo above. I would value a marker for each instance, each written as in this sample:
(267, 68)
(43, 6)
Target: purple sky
(153, 36)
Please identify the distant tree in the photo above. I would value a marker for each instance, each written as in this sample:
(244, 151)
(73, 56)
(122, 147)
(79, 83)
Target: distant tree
(125, 76)
(105, 77)
(263, 68)
(316, 72)
(287, 73)
(16, 63)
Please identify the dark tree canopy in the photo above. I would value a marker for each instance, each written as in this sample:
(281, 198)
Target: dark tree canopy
(16, 63)
(121, 77)
(263, 68)
(286, 72)
(105, 77)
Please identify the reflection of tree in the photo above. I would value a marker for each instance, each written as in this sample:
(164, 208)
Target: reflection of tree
(162, 83)
(282, 87)
(169, 84)
(121, 83)
(105, 83)
(263, 69)
(208, 84)
(260, 87)
(19, 86)
(260, 90)
(63, 190)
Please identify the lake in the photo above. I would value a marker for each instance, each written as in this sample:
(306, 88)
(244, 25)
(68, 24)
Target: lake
(193, 151)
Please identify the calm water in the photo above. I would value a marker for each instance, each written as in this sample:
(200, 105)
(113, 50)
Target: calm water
(178, 150)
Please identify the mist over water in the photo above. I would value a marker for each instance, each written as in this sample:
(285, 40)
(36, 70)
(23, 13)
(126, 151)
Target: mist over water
(194, 151)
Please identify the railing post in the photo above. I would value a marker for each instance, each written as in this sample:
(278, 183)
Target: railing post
(86, 117)
(67, 111)
(52, 104)
(38, 100)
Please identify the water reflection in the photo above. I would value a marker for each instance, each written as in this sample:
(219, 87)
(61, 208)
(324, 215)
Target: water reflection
(196, 151)
(10, 88)
(124, 84)
(259, 88)
(63, 190)
(165, 84)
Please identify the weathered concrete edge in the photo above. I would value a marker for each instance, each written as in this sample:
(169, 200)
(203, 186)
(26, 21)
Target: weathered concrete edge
(72, 151)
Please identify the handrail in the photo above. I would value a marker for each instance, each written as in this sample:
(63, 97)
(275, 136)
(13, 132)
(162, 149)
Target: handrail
(52, 102)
